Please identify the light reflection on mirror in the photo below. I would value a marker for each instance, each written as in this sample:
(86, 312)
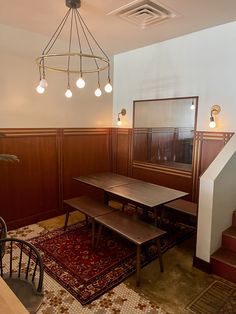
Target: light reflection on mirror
(164, 131)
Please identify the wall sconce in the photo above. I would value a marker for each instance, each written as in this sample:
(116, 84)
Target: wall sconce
(122, 113)
(214, 111)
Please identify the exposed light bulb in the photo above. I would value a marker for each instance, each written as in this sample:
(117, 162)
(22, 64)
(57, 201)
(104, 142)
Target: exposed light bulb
(80, 83)
(119, 122)
(98, 92)
(40, 89)
(212, 124)
(68, 93)
(192, 107)
(108, 88)
(43, 83)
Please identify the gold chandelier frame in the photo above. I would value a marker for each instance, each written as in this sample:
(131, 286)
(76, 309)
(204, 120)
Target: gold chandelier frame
(40, 61)
(82, 36)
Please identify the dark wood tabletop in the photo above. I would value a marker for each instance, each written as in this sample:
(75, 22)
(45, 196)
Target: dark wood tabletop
(145, 193)
(105, 180)
(138, 191)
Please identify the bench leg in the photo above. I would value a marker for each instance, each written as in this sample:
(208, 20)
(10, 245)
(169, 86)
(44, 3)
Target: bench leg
(138, 265)
(66, 219)
(160, 255)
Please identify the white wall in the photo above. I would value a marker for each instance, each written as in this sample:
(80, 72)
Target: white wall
(217, 201)
(199, 64)
(22, 107)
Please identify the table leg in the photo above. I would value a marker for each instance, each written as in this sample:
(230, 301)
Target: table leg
(93, 233)
(66, 218)
(138, 265)
(106, 198)
(99, 234)
(160, 255)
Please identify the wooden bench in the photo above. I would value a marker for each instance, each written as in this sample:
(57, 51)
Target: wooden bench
(135, 231)
(89, 207)
(184, 207)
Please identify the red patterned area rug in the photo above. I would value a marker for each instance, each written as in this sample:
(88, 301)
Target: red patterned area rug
(87, 274)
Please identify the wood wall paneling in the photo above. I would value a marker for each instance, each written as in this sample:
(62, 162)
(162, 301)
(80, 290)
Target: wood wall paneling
(34, 188)
(85, 151)
(122, 151)
(140, 143)
(207, 147)
(29, 189)
(164, 176)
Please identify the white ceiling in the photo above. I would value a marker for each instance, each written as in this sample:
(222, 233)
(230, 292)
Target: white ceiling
(113, 33)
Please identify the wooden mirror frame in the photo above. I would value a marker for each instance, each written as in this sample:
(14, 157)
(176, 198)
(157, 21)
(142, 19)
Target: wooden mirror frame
(164, 166)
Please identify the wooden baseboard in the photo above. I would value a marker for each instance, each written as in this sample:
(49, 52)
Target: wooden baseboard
(201, 264)
(14, 224)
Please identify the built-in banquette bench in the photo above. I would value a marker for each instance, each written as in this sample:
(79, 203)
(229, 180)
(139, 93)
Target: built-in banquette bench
(182, 208)
(134, 230)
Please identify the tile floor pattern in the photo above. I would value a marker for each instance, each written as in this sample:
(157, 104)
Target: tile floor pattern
(159, 293)
(57, 300)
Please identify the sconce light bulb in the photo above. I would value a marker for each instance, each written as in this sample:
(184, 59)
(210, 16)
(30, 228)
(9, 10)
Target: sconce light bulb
(119, 122)
(80, 83)
(98, 92)
(40, 89)
(43, 83)
(108, 88)
(212, 124)
(68, 93)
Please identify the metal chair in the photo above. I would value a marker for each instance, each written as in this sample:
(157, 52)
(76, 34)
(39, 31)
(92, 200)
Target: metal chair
(3, 228)
(3, 233)
(22, 270)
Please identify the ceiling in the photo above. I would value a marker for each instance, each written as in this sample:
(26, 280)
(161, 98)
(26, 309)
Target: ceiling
(114, 33)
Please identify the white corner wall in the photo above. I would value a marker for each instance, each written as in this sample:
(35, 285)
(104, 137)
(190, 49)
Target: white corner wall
(22, 107)
(217, 201)
(199, 64)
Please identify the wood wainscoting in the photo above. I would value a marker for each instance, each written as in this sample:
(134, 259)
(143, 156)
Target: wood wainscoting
(84, 151)
(29, 189)
(34, 188)
(207, 145)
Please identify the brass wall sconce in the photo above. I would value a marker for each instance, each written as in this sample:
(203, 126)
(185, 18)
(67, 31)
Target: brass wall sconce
(122, 113)
(215, 109)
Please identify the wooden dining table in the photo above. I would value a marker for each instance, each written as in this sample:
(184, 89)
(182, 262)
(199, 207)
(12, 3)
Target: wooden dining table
(9, 303)
(144, 194)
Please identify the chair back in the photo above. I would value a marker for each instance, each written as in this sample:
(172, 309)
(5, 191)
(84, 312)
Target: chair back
(22, 261)
(3, 228)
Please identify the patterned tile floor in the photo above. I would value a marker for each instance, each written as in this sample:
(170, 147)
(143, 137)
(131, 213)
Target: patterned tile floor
(159, 293)
(57, 300)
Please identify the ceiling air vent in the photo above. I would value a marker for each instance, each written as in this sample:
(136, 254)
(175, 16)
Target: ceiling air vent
(144, 13)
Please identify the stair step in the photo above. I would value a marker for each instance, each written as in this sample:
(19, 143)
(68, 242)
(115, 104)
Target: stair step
(223, 264)
(229, 239)
(234, 219)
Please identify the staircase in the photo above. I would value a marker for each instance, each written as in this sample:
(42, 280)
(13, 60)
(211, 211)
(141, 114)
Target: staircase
(223, 261)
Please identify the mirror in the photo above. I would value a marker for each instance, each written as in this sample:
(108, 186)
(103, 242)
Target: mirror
(163, 131)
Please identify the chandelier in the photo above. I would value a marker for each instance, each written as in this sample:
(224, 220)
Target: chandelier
(83, 55)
